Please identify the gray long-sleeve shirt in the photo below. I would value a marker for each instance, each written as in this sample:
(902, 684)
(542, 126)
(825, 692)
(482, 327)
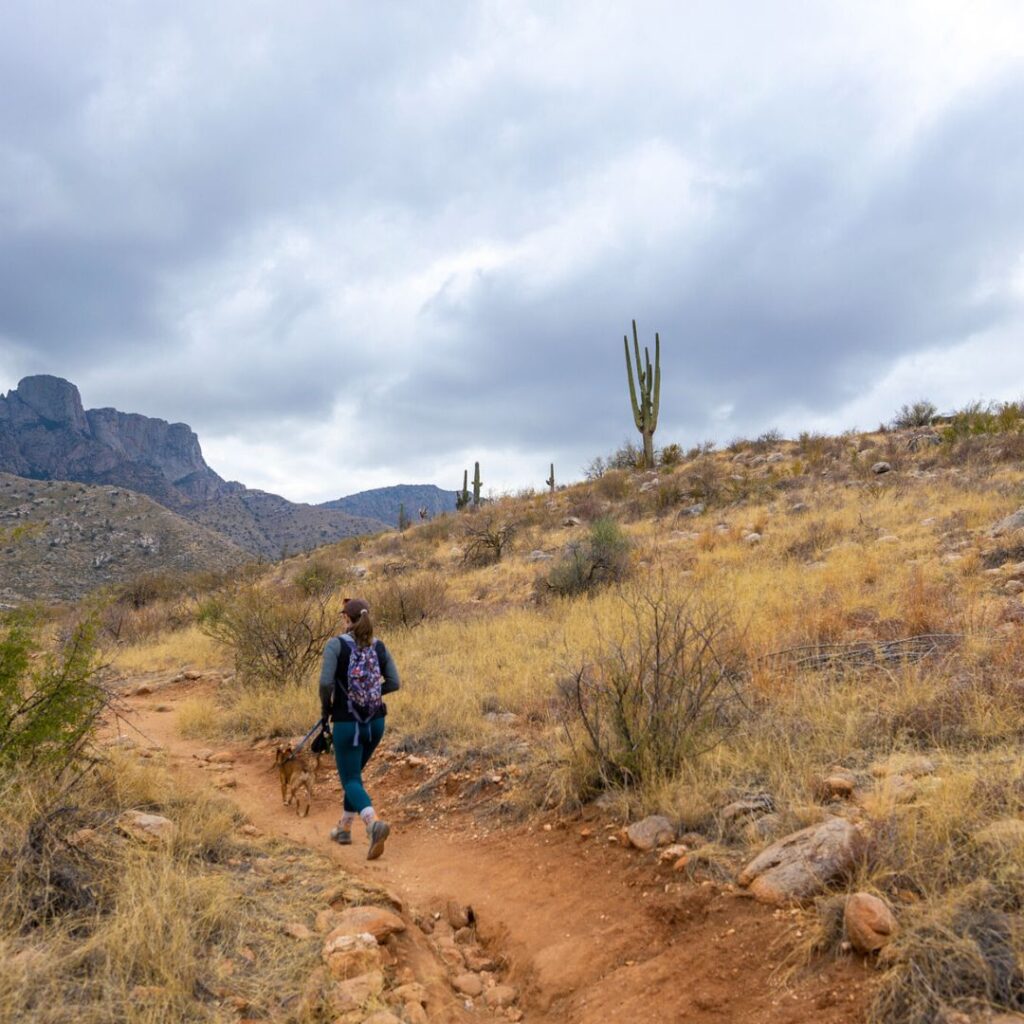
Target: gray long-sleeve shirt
(336, 651)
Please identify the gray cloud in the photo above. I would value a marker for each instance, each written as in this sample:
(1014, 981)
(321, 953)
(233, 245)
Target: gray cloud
(438, 222)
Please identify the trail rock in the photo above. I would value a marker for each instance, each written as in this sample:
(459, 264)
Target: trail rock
(672, 853)
(1012, 523)
(651, 833)
(800, 865)
(382, 1017)
(147, 828)
(459, 916)
(468, 984)
(355, 993)
(693, 510)
(415, 1014)
(539, 556)
(297, 930)
(838, 783)
(378, 921)
(571, 521)
(869, 922)
(326, 921)
(222, 757)
(752, 539)
(880, 468)
(501, 996)
(411, 992)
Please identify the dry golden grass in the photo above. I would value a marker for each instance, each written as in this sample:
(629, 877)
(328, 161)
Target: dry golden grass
(184, 648)
(105, 930)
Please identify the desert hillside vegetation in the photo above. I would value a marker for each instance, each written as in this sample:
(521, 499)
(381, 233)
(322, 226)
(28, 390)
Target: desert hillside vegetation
(785, 634)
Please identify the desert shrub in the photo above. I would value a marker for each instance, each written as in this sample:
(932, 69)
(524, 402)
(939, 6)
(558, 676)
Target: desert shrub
(408, 602)
(318, 576)
(628, 455)
(668, 493)
(979, 419)
(277, 635)
(437, 529)
(613, 486)
(917, 414)
(49, 701)
(667, 688)
(704, 480)
(487, 534)
(767, 440)
(670, 455)
(600, 558)
(814, 538)
(704, 448)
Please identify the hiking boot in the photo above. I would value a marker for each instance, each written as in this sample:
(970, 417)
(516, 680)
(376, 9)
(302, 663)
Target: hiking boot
(379, 832)
(342, 836)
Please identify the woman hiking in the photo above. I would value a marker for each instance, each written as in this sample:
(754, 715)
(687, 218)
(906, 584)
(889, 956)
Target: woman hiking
(357, 670)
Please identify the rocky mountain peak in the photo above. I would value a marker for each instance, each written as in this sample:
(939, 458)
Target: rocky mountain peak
(52, 399)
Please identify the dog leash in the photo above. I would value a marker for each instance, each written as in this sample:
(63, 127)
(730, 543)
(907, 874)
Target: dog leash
(303, 741)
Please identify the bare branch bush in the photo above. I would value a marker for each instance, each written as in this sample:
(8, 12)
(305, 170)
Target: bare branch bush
(670, 687)
(487, 535)
(277, 634)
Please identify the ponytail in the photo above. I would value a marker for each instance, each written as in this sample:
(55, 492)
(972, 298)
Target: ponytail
(362, 629)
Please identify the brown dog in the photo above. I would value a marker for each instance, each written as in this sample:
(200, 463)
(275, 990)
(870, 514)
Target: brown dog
(296, 772)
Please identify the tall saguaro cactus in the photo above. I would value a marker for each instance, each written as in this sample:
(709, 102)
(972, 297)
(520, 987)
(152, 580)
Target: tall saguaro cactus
(648, 384)
(551, 479)
(462, 497)
(477, 483)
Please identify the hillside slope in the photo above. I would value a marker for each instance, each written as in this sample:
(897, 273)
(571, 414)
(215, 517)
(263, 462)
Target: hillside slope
(59, 540)
(272, 527)
(383, 502)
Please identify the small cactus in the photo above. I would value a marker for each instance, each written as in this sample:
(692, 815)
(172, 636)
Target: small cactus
(462, 497)
(477, 483)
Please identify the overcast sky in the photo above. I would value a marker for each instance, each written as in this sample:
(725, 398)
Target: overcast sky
(362, 244)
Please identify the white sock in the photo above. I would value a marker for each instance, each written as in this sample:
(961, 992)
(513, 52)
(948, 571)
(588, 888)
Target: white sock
(347, 818)
(368, 815)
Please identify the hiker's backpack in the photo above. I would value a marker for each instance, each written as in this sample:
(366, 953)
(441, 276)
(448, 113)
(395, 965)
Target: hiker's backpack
(364, 682)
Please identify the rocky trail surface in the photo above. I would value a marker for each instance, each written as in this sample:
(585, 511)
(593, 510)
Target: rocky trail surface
(568, 925)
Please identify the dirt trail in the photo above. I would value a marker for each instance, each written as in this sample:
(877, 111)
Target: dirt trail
(591, 932)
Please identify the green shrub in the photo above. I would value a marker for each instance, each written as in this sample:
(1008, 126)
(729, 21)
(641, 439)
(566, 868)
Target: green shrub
(49, 702)
(919, 414)
(670, 455)
(600, 558)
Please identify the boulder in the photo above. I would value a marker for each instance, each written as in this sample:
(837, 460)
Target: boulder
(146, 828)
(539, 556)
(382, 1017)
(879, 468)
(354, 993)
(413, 1013)
(869, 922)
(1011, 524)
(377, 921)
(499, 997)
(468, 984)
(459, 915)
(837, 784)
(571, 521)
(752, 539)
(801, 865)
(696, 509)
(297, 930)
(652, 832)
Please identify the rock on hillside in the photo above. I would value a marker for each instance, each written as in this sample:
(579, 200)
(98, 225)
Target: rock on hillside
(59, 539)
(382, 502)
(47, 435)
(272, 527)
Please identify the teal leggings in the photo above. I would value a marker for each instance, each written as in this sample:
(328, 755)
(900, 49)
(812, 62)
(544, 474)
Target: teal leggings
(352, 760)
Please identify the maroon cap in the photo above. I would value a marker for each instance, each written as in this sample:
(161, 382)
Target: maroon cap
(354, 607)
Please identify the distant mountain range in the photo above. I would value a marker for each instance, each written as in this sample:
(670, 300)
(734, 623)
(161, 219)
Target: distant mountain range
(383, 503)
(46, 434)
